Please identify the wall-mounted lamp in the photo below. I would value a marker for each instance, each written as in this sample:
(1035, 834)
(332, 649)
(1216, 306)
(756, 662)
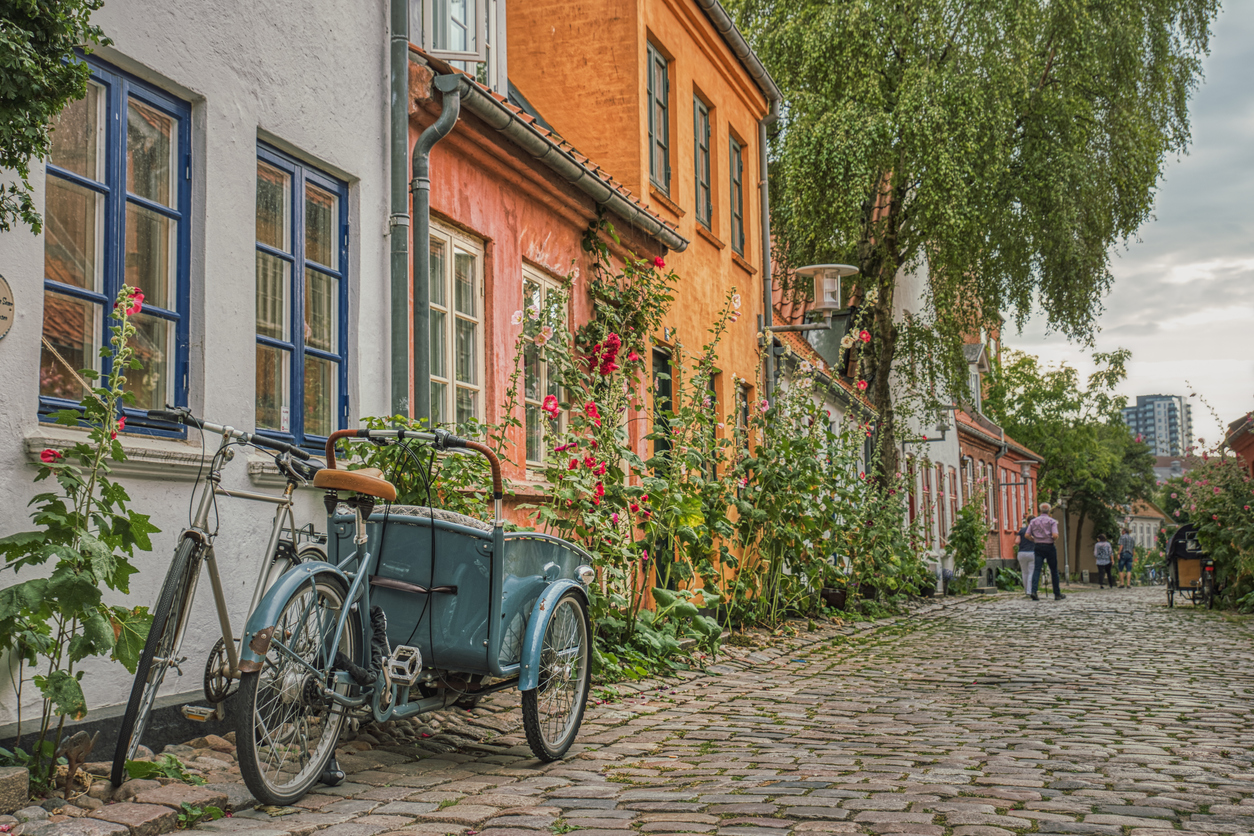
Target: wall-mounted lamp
(828, 298)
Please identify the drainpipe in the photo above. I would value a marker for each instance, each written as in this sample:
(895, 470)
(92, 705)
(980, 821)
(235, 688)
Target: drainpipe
(398, 221)
(764, 192)
(450, 85)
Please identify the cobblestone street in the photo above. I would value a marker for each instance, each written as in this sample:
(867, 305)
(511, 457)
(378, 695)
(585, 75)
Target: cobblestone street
(1106, 713)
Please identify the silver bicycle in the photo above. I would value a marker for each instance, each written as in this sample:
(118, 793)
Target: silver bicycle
(287, 547)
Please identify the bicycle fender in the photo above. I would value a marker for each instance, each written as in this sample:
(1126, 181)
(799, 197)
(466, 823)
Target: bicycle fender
(529, 674)
(261, 623)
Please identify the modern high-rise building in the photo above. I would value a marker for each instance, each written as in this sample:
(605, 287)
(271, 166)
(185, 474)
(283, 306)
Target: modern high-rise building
(1164, 422)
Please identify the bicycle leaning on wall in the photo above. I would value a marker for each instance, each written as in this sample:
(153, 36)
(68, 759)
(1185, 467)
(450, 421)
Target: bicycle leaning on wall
(286, 548)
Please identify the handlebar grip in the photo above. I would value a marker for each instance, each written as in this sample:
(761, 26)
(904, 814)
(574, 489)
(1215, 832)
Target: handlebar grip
(445, 440)
(174, 417)
(281, 446)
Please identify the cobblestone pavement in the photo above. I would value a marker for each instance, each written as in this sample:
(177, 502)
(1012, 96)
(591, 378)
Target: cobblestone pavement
(1106, 713)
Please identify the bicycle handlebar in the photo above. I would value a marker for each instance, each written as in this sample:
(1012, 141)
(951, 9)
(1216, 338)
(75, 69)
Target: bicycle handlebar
(178, 416)
(442, 439)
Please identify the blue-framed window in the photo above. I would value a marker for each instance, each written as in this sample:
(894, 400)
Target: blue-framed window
(302, 257)
(117, 211)
(658, 84)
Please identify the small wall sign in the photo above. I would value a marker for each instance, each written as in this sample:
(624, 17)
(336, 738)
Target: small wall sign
(6, 308)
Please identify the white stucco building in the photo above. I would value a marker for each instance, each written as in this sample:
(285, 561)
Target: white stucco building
(231, 160)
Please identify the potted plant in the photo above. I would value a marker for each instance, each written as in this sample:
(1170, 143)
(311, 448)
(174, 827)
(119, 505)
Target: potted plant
(835, 590)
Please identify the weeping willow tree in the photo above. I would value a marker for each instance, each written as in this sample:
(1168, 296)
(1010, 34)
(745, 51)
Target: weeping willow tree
(1000, 148)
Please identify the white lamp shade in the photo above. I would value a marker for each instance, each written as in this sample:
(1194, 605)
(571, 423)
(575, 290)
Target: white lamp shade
(828, 293)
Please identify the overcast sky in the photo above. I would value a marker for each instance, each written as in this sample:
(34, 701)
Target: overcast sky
(1183, 298)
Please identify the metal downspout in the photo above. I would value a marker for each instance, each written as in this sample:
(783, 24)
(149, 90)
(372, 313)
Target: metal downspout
(398, 221)
(764, 191)
(450, 86)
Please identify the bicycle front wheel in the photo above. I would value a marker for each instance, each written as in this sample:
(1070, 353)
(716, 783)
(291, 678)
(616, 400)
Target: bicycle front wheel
(286, 729)
(553, 711)
(164, 637)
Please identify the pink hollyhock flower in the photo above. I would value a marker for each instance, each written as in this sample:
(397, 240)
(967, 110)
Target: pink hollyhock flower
(614, 518)
(862, 385)
(645, 559)
(1216, 490)
(517, 318)
(658, 262)
(137, 303)
(647, 514)
(1173, 496)
(865, 336)
(550, 405)
(49, 456)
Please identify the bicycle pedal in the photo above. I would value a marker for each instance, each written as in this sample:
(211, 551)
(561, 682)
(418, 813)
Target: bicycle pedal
(199, 713)
(404, 665)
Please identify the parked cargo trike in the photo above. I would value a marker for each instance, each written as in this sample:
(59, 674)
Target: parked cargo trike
(415, 609)
(1190, 571)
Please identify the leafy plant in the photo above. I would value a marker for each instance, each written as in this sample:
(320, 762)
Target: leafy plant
(165, 766)
(967, 540)
(189, 815)
(88, 533)
(42, 74)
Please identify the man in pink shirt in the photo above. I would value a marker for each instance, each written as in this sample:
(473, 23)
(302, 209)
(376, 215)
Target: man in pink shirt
(1043, 530)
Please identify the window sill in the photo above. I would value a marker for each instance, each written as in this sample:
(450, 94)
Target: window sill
(146, 457)
(710, 237)
(740, 262)
(264, 473)
(660, 196)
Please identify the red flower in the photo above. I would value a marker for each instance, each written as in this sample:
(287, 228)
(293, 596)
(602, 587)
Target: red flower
(600, 490)
(865, 336)
(49, 456)
(122, 423)
(590, 409)
(137, 303)
(861, 385)
(648, 514)
(633, 357)
(600, 469)
(608, 368)
(550, 406)
(644, 498)
(574, 463)
(588, 461)
(658, 262)
(634, 507)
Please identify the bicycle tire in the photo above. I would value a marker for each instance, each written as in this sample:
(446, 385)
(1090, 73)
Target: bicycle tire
(279, 706)
(163, 632)
(553, 711)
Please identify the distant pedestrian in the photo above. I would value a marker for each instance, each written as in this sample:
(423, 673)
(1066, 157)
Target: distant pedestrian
(1044, 531)
(1102, 553)
(1027, 557)
(1127, 548)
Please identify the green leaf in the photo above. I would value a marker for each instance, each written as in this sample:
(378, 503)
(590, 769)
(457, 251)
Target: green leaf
(71, 592)
(664, 597)
(130, 629)
(26, 597)
(64, 692)
(21, 543)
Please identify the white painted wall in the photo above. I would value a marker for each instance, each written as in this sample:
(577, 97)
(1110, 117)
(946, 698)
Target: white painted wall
(312, 79)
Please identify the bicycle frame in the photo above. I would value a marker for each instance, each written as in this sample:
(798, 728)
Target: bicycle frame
(284, 519)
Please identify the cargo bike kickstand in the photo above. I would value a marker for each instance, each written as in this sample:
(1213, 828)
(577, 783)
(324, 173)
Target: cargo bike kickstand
(286, 547)
(415, 609)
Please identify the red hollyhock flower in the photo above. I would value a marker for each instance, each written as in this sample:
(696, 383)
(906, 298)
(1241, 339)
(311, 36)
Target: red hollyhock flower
(658, 262)
(49, 456)
(550, 406)
(574, 463)
(865, 336)
(861, 385)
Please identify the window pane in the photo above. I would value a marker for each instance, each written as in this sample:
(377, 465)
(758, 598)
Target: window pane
(152, 385)
(272, 282)
(320, 395)
(78, 141)
(438, 411)
(453, 26)
(321, 295)
(272, 389)
(436, 289)
(321, 221)
(535, 434)
(465, 293)
(274, 219)
(150, 252)
(531, 372)
(73, 235)
(467, 352)
(467, 405)
(70, 325)
(151, 145)
(439, 335)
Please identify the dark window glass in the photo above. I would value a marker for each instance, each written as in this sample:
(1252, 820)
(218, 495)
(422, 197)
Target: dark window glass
(701, 160)
(658, 76)
(736, 164)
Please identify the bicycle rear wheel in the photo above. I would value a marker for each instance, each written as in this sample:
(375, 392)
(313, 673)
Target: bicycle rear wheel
(286, 729)
(164, 637)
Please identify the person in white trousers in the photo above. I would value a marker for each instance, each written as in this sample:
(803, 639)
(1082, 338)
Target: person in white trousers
(1027, 557)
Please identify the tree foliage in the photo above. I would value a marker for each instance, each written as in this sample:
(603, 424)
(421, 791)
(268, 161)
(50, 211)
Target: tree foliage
(39, 76)
(999, 148)
(1090, 456)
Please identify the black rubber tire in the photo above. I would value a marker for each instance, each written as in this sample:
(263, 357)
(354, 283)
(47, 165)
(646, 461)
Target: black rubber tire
(172, 609)
(544, 745)
(275, 686)
(1171, 595)
(1208, 589)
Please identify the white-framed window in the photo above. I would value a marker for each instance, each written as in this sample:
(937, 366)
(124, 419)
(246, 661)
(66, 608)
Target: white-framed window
(457, 342)
(451, 30)
(544, 303)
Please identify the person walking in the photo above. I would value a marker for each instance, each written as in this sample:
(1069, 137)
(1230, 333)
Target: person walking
(1102, 553)
(1127, 548)
(1027, 557)
(1043, 530)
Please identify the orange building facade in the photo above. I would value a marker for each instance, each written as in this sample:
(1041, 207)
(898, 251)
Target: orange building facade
(667, 95)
